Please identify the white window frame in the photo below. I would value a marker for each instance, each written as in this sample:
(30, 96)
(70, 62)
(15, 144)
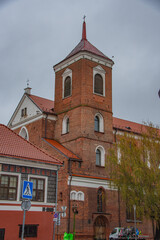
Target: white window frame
(18, 184)
(99, 70)
(102, 150)
(64, 125)
(81, 196)
(71, 195)
(26, 131)
(46, 184)
(101, 122)
(67, 73)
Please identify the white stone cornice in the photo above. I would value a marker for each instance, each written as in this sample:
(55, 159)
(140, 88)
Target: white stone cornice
(27, 163)
(81, 55)
(91, 183)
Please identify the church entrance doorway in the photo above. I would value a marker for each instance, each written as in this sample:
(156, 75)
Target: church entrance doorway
(100, 228)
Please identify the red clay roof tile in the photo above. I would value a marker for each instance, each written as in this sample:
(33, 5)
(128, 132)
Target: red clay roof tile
(62, 149)
(44, 104)
(13, 145)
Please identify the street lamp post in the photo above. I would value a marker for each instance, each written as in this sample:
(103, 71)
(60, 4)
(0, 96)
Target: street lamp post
(134, 206)
(75, 212)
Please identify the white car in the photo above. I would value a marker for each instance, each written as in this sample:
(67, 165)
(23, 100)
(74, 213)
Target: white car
(116, 233)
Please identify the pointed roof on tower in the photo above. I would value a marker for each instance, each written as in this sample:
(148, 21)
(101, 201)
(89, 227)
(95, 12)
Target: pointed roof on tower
(84, 46)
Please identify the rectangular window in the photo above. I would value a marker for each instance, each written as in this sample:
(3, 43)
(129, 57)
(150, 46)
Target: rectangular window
(8, 187)
(24, 112)
(29, 230)
(38, 189)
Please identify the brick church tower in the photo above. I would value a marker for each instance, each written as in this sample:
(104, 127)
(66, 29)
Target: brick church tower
(77, 128)
(83, 103)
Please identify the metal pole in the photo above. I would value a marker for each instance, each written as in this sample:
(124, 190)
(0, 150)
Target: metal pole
(74, 224)
(24, 216)
(56, 203)
(134, 206)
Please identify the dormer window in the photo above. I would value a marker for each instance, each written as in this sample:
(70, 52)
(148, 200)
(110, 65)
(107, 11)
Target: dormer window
(67, 83)
(99, 81)
(24, 112)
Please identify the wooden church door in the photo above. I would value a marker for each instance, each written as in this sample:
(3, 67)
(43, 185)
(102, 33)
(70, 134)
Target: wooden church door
(100, 228)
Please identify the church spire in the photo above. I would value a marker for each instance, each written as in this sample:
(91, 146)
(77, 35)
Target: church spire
(84, 29)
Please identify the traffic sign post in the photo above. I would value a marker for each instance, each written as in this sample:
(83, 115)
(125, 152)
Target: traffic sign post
(26, 204)
(27, 190)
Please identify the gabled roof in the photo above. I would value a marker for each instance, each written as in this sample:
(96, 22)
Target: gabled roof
(13, 145)
(128, 126)
(46, 105)
(63, 150)
(85, 46)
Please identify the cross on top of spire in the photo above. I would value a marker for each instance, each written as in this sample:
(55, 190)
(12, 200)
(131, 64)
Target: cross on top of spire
(84, 29)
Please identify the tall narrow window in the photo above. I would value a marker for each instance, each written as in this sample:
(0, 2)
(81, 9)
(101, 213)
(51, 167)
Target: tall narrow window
(65, 125)
(98, 157)
(98, 84)
(67, 87)
(38, 189)
(8, 187)
(100, 200)
(96, 124)
(24, 133)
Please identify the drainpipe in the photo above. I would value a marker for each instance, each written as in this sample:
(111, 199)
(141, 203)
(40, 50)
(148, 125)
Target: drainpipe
(119, 206)
(69, 202)
(45, 133)
(56, 201)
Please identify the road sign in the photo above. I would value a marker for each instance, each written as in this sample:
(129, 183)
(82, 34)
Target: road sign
(55, 215)
(25, 205)
(27, 189)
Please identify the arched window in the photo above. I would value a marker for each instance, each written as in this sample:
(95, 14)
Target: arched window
(100, 200)
(67, 86)
(65, 125)
(99, 80)
(80, 196)
(100, 156)
(24, 133)
(67, 83)
(73, 195)
(98, 123)
(98, 84)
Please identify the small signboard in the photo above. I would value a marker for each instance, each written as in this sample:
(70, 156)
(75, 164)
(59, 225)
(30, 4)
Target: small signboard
(27, 190)
(56, 215)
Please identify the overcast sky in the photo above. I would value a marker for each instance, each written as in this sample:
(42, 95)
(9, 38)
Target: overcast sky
(37, 34)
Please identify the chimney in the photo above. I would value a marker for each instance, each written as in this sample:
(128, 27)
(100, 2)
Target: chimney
(27, 90)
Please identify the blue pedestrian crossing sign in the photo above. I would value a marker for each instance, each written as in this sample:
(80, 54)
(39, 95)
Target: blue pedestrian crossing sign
(27, 189)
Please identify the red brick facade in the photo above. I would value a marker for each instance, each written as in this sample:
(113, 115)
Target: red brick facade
(81, 108)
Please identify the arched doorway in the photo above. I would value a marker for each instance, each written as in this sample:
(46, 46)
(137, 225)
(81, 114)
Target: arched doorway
(100, 228)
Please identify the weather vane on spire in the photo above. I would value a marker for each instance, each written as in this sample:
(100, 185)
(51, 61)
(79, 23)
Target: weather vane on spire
(84, 17)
